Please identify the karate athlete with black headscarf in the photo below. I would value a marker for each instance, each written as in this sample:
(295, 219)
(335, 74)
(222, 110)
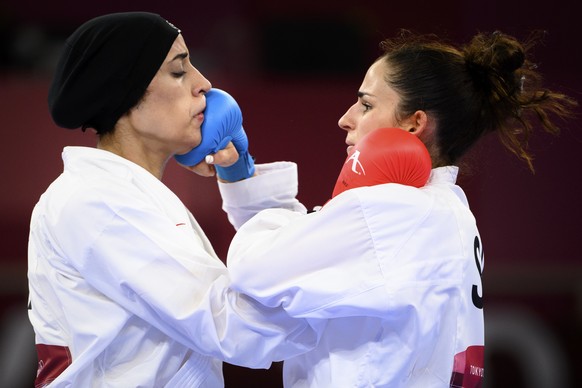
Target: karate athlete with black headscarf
(125, 288)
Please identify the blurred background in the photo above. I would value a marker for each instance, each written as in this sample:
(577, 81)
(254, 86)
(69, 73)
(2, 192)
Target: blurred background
(295, 67)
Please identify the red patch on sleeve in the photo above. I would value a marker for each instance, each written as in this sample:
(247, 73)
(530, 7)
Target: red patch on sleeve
(52, 361)
(469, 368)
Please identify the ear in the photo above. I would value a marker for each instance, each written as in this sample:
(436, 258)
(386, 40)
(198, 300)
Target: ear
(417, 123)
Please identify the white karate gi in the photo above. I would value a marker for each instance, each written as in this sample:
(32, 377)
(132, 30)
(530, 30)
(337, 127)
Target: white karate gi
(126, 290)
(394, 271)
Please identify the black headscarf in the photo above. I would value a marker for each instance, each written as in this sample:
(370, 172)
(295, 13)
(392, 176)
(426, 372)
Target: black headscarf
(105, 68)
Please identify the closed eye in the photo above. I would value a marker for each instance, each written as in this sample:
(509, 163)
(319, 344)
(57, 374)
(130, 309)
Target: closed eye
(178, 61)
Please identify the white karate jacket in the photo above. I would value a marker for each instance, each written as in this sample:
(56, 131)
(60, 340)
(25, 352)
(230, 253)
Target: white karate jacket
(393, 271)
(126, 290)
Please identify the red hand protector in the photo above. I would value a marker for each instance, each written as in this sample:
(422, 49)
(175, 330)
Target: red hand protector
(385, 155)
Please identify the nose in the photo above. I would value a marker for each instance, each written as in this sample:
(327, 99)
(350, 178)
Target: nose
(200, 84)
(345, 122)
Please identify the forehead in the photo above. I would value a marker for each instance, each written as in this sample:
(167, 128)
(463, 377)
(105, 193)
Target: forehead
(375, 75)
(375, 84)
(178, 47)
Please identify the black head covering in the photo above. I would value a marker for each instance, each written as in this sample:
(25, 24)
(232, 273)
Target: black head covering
(105, 68)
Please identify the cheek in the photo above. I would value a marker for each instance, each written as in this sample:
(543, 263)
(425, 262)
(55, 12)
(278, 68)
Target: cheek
(383, 120)
(154, 113)
(374, 121)
(370, 123)
(170, 108)
(364, 130)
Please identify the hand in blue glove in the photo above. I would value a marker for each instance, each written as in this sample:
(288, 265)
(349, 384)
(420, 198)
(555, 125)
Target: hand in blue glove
(222, 124)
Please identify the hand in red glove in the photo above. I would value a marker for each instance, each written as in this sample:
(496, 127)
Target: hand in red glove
(385, 155)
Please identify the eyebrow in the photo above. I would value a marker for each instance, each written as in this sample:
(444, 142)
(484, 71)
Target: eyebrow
(362, 94)
(180, 56)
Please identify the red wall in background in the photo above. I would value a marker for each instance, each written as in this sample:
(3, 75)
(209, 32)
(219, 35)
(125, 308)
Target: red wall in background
(530, 224)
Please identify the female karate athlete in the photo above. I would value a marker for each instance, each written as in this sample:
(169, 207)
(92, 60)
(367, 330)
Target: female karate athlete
(394, 271)
(125, 288)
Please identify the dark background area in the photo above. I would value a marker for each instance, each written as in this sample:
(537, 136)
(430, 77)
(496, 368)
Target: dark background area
(294, 68)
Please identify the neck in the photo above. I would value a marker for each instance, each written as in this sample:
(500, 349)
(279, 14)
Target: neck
(133, 150)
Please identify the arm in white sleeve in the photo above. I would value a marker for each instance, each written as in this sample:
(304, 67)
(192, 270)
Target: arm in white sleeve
(274, 186)
(160, 272)
(328, 263)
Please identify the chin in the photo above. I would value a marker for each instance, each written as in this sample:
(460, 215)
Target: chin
(194, 142)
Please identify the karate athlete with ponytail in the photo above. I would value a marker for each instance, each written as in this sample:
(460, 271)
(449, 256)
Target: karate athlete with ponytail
(392, 270)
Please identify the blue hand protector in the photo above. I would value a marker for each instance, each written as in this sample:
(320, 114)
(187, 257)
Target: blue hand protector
(222, 124)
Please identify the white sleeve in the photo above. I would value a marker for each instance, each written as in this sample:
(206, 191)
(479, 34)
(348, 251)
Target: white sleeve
(312, 264)
(327, 264)
(274, 186)
(138, 258)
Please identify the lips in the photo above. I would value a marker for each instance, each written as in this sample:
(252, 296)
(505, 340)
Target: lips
(199, 116)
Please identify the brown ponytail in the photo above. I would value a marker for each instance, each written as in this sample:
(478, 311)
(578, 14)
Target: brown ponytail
(488, 85)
